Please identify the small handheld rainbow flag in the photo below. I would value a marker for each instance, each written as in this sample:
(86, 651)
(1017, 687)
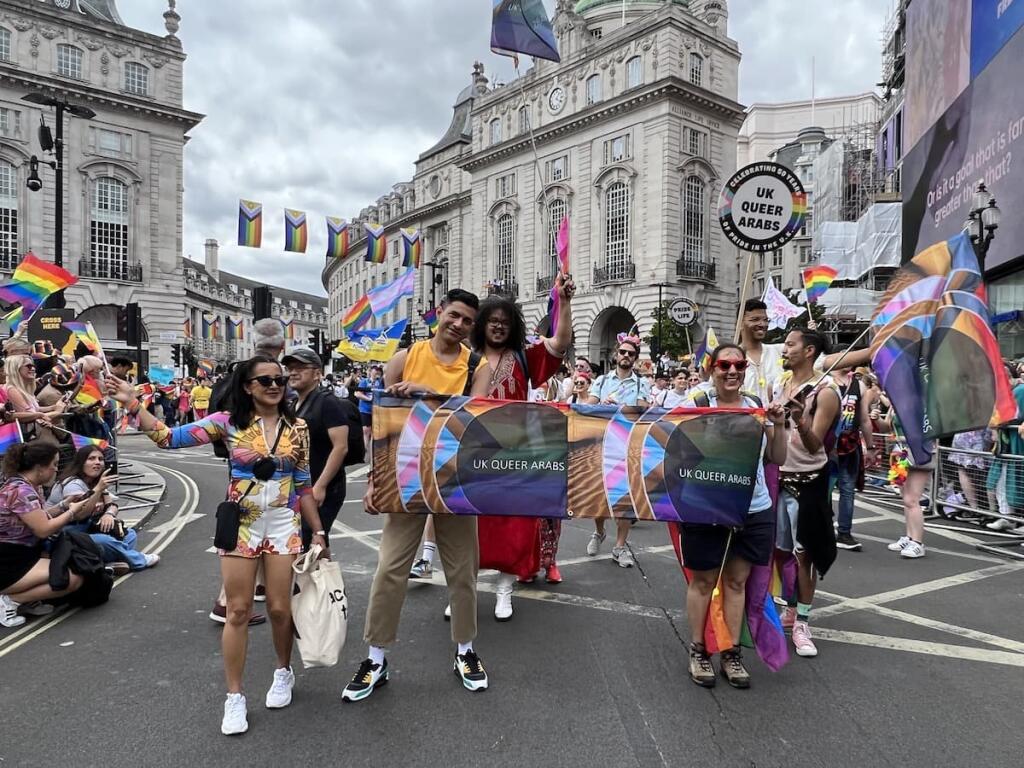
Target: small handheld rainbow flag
(207, 367)
(295, 231)
(337, 238)
(145, 393)
(412, 244)
(33, 281)
(81, 442)
(431, 319)
(90, 392)
(10, 434)
(250, 224)
(376, 245)
(358, 316)
(702, 355)
(817, 280)
(86, 334)
(14, 317)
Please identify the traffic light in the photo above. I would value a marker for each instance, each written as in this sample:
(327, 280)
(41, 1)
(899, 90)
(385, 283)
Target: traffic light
(314, 340)
(133, 325)
(176, 355)
(262, 301)
(122, 323)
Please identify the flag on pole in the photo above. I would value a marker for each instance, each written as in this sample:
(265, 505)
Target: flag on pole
(377, 344)
(250, 224)
(81, 442)
(337, 238)
(86, 334)
(780, 309)
(376, 245)
(235, 330)
(412, 247)
(431, 319)
(702, 355)
(89, 393)
(562, 249)
(14, 317)
(206, 367)
(386, 297)
(10, 434)
(359, 315)
(934, 350)
(522, 26)
(295, 231)
(33, 281)
(817, 280)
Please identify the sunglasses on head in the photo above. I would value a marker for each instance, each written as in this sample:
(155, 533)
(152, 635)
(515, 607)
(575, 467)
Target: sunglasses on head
(727, 365)
(267, 381)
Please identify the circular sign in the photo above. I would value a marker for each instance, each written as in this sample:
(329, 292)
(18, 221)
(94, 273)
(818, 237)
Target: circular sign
(762, 207)
(682, 311)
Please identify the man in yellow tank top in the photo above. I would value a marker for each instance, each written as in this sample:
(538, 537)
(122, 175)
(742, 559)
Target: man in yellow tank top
(438, 366)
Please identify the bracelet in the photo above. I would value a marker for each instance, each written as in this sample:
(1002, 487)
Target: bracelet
(133, 407)
(319, 533)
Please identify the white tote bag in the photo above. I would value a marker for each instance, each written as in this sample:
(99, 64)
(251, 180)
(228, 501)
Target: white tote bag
(319, 609)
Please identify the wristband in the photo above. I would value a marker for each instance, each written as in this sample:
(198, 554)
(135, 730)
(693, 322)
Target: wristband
(133, 407)
(319, 533)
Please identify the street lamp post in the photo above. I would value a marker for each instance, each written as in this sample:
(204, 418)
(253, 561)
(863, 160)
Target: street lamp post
(56, 146)
(435, 279)
(661, 315)
(982, 222)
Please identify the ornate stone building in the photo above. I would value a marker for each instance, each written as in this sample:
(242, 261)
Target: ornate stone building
(123, 174)
(635, 131)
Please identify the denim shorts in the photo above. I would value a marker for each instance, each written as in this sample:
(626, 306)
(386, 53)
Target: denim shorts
(785, 527)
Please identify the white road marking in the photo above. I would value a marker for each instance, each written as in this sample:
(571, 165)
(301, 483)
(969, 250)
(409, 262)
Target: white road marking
(959, 652)
(175, 523)
(361, 472)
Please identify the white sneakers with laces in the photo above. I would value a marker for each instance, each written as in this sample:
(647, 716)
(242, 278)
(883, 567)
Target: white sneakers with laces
(280, 693)
(234, 721)
(913, 550)
(899, 544)
(594, 545)
(9, 613)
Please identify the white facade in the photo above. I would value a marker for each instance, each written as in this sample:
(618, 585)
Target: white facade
(635, 131)
(123, 170)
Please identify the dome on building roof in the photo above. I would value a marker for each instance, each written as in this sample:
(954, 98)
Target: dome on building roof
(588, 5)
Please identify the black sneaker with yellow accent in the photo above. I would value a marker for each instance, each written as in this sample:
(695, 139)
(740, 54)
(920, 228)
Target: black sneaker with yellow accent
(368, 677)
(471, 671)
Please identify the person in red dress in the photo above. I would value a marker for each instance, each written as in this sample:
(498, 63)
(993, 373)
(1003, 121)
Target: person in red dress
(519, 546)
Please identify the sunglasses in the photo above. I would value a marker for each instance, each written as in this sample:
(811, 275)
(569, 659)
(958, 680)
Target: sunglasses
(267, 381)
(630, 352)
(727, 365)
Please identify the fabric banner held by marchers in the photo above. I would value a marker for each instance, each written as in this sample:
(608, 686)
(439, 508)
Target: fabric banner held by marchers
(475, 456)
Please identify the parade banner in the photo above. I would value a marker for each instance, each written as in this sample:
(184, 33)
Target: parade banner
(476, 456)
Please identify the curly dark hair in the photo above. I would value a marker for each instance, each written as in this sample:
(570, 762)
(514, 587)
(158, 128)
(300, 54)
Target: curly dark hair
(241, 401)
(516, 333)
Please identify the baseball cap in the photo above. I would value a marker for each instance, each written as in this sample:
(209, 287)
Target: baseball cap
(303, 356)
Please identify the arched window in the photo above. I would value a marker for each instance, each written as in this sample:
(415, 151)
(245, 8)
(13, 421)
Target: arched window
(69, 61)
(557, 209)
(634, 72)
(108, 229)
(616, 230)
(495, 131)
(8, 216)
(593, 89)
(136, 78)
(505, 248)
(5, 44)
(694, 213)
(524, 120)
(696, 69)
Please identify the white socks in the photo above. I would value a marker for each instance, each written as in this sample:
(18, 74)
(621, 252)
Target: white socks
(464, 648)
(376, 654)
(429, 550)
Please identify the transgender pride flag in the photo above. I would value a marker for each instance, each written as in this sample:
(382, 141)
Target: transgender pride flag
(386, 297)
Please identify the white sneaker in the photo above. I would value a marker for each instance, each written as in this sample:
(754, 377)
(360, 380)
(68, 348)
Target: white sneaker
(280, 693)
(448, 612)
(152, 560)
(234, 715)
(622, 557)
(914, 549)
(503, 598)
(1002, 524)
(9, 613)
(900, 544)
(594, 545)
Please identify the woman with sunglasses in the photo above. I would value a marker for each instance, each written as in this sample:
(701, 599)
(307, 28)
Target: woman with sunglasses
(35, 419)
(580, 388)
(712, 550)
(269, 461)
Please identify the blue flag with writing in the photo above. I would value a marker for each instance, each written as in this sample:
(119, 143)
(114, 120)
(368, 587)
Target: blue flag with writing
(522, 26)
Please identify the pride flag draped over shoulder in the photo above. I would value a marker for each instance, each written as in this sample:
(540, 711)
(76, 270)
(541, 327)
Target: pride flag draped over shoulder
(377, 344)
(337, 238)
(296, 232)
(376, 245)
(817, 280)
(33, 281)
(359, 315)
(386, 297)
(250, 224)
(934, 350)
(412, 248)
(522, 26)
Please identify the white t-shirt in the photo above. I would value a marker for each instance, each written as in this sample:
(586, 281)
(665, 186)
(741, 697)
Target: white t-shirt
(670, 398)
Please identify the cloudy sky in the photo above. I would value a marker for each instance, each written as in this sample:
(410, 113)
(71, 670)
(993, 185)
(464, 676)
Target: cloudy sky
(323, 110)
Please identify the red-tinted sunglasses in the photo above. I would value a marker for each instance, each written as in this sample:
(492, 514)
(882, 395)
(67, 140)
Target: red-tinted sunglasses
(727, 365)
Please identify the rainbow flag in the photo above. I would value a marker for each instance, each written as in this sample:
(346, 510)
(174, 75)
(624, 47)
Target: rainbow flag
(81, 442)
(337, 238)
(562, 247)
(431, 318)
(296, 233)
(412, 245)
(817, 280)
(702, 355)
(145, 393)
(376, 245)
(386, 297)
(210, 328)
(14, 317)
(89, 393)
(206, 367)
(187, 328)
(288, 326)
(250, 224)
(358, 316)
(86, 334)
(9, 435)
(33, 281)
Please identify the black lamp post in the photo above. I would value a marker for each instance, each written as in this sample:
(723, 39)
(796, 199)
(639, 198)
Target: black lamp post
(982, 222)
(662, 314)
(55, 145)
(435, 279)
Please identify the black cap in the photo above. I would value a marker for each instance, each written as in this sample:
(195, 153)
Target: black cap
(303, 356)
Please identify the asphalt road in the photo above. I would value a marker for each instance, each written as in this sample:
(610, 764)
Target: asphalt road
(921, 663)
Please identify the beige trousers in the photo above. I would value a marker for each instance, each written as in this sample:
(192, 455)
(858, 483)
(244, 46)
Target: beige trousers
(459, 549)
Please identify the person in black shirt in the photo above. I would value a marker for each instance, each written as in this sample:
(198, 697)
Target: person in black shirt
(328, 435)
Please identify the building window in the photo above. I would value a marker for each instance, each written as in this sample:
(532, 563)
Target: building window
(557, 209)
(696, 69)
(557, 169)
(506, 249)
(69, 61)
(495, 131)
(805, 254)
(694, 207)
(616, 150)
(760, 286)
(5, 44)
(593, 89)
(5, 121)
(505, 186)
(136, 78)
(9, 256)
(777, 257)
(524, 120)
(109, 229)
(760, 261)
(596, 34)
(696, 142)
(616, 230)
(442, 236)
(634, 72)
(441, 259)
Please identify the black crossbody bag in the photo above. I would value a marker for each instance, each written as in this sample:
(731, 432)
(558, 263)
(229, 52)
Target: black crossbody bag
(229, 513)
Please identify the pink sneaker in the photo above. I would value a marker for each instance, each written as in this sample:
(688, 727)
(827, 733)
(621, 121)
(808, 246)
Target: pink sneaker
(802, 640)
(788, 617)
